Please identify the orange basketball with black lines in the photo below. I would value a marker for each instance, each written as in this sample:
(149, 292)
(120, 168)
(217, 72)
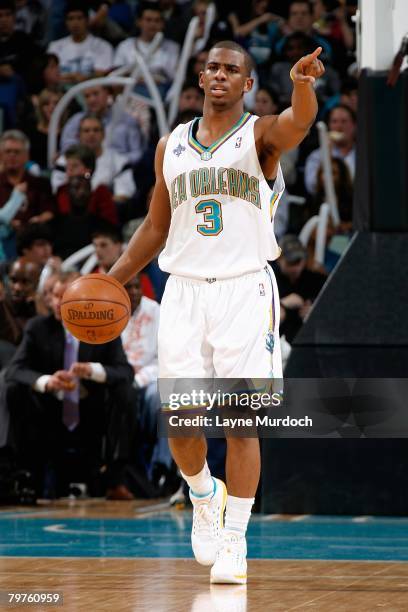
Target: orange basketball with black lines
(95, 308)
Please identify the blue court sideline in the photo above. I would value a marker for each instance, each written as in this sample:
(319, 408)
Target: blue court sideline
(167, 534)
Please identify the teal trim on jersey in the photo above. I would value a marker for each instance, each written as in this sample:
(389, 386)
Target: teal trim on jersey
(199, 148)
(214, 217)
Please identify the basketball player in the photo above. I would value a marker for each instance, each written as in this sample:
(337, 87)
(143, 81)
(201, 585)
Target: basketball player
(213, 210)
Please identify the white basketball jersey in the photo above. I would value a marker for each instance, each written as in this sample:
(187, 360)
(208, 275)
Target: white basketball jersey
(222, 207)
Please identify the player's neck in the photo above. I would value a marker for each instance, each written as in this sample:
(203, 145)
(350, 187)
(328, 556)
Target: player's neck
(216, 122)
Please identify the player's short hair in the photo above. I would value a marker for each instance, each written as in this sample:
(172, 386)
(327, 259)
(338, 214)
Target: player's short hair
(233, 46)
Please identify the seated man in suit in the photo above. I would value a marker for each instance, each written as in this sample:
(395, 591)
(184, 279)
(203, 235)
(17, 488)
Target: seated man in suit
(58, 400)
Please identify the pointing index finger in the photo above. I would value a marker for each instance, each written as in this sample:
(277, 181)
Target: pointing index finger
(312, 56)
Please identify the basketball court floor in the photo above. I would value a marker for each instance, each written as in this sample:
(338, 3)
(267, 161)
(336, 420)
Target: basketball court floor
(126, 556)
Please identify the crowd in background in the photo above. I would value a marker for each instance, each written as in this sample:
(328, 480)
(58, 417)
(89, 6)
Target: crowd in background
(97, 190)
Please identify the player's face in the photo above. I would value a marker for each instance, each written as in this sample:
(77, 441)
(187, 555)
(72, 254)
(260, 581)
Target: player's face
(225, 78)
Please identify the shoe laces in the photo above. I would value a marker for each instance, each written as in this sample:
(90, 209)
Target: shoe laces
(233, 547)
(206, 519)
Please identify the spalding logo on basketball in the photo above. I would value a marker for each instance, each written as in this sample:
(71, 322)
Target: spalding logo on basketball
(95, 308)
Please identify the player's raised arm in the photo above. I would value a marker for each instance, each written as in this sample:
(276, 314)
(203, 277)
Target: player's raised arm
(150, 237)
(289, 128)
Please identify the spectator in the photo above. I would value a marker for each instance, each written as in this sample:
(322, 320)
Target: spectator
(35, 243)
(31, 18)
(38, 131)
(265, 102)
(81, 55)
(342, 126)
(9, 211)
(298, 286)
(126, 137)
(330, 20)
(296, 46)
(191, 98)
(176, 19)
(301, 20)
(255, 26)
(17, 49)
(163, 62)
(349, 94)
(58, 400)
(111, 169)
(196, 65)
(108, 248)
(199, 9)
(17, 305)
(101, 23)
(45, 74)
(44, 294)
(39, 204)
(140, 344)
(81, 210)
(343, 187)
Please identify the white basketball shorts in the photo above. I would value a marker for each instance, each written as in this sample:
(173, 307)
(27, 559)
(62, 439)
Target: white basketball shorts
(220, 328)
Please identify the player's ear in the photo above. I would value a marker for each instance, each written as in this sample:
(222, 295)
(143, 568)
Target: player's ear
(200, 79)
(249, 83)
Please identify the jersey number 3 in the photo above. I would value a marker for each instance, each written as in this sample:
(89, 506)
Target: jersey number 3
(212, 225)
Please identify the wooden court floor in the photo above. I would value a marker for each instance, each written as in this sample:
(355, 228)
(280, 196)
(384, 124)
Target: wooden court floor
(179, 584)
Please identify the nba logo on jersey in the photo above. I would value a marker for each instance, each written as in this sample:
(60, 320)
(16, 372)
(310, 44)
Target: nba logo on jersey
(261, 289)
(238, 142)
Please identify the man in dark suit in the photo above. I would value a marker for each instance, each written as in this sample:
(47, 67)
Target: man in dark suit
(59, 394)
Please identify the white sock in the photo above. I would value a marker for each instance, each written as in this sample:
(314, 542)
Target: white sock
(238, 513)
(201, 484)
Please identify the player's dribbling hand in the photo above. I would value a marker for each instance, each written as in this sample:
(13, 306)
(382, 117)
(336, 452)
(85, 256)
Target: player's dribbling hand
(308, 68)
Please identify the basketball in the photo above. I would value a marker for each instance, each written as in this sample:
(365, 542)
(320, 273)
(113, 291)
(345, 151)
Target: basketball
(95, 308)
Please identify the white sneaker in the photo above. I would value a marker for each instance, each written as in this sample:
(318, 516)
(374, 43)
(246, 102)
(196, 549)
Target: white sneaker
(208, 522)
(230, 566)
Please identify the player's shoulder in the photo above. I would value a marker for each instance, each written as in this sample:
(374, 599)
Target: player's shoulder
(178, 133)
(265, 121)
